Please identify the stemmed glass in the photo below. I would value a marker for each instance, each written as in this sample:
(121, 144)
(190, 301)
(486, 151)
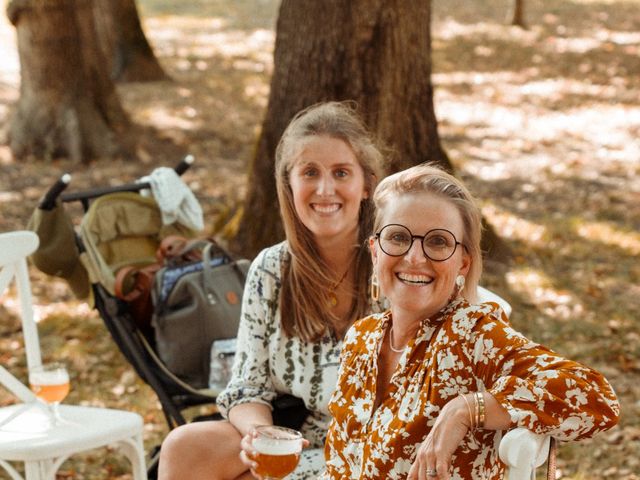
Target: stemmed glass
(278, 451)
(50, 383)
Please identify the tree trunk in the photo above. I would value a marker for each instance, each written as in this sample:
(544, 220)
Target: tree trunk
(518, 14)
(68, 105)
(375, 52)
(124, 44)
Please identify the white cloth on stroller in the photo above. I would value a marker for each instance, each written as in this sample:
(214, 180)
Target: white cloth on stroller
(176, 201)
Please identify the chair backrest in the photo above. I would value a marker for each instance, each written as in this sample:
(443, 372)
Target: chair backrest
(14, 249)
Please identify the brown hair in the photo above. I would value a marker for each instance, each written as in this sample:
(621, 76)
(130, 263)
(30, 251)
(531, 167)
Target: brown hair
(428, 178)
(307, 279)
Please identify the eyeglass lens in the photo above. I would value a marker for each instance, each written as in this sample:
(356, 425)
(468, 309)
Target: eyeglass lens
(396, 240)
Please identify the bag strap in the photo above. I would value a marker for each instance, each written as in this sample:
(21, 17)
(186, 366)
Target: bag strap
(176, 249)
(208, 283)
(551, 462)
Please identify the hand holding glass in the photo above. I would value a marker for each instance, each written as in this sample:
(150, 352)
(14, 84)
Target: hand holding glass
(278, 451)
(50, 383)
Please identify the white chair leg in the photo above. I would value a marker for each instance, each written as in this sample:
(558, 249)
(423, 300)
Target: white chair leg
(13, 473)
(38, 470)
(133, 448)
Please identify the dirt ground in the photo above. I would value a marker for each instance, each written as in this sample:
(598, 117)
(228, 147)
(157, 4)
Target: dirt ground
(543, 124)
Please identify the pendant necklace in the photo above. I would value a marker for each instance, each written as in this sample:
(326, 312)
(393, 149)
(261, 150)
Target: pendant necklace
(333, 297)
(393, 349)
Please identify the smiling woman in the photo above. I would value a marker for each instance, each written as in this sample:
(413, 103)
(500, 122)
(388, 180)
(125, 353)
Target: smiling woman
(426, 387)
(300, 298)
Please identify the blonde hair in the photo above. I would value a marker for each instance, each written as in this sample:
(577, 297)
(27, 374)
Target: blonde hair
(428, 178)
(307, 279)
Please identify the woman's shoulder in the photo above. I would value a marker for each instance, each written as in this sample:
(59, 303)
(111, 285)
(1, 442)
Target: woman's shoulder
(361, 329)
(466, 318)
(270, 259)
(477, 311)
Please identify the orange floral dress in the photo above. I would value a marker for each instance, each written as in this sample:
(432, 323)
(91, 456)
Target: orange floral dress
(465, 348)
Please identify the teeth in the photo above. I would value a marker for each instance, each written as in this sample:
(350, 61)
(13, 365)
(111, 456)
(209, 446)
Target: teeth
(334, 207)
(406, 277)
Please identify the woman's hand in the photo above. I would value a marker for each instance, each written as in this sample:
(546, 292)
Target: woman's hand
(248, 453)
(433, 458)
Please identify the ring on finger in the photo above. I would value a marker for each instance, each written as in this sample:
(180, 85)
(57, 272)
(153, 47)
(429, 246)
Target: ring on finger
(432, 472)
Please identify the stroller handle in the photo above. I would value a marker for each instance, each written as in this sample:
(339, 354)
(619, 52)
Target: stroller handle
(185, 164)
(49, 200)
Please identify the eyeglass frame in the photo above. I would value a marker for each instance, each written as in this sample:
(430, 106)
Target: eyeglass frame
(422, 238)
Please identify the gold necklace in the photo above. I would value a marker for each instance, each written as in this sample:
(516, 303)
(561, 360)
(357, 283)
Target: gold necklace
(333, 298)
(393, 349)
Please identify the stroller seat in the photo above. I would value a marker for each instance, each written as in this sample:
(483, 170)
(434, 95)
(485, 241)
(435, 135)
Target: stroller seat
(122, 229)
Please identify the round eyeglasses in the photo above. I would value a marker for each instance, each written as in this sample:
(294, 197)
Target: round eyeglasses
(437, 245)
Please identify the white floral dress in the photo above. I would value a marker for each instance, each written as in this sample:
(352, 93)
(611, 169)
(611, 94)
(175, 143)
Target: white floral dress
(269, 363)
(465, 348)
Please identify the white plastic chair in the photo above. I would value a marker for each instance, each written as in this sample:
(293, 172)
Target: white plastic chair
(27, 432)
(522, 451)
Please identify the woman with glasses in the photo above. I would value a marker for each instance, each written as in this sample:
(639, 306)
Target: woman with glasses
(425, 388)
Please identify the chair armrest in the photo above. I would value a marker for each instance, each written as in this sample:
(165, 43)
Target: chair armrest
(523, 451)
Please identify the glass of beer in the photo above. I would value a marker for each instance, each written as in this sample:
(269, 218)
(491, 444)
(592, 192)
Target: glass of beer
(278, 451)
(50, 383)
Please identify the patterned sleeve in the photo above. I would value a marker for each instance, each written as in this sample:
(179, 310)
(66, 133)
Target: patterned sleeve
(541, 390)
(250, 380)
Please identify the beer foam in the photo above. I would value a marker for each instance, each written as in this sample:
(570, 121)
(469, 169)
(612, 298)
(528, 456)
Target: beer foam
(269, 446)
(56, 377)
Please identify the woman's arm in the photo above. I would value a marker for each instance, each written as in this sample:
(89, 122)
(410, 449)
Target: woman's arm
(246, 416)
(541, 390)
(250, 380)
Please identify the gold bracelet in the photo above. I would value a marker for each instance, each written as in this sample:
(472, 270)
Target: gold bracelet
(481, 409)
(471, 425)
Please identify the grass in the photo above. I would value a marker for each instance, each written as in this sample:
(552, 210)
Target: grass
(542, 124)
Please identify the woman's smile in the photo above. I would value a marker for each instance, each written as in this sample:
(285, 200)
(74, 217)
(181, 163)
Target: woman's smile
(326, 208)
(414, 279)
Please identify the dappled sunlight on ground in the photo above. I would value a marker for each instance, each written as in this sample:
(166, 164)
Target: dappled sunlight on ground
(514, 227)
(543, 124)
(611, 235)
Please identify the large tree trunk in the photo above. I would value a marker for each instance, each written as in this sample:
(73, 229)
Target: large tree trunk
(375, 52)
(124, 44)
(372, 51)
(68, 105)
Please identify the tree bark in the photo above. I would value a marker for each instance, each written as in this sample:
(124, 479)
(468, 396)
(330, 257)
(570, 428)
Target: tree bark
(372, 51)
(68, 105)
(129, 56)
(375, 52)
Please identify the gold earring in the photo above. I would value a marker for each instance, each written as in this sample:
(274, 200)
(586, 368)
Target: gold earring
(375, 287)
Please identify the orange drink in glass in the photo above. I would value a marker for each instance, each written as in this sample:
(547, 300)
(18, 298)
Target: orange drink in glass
(50, 383)
(278, 451)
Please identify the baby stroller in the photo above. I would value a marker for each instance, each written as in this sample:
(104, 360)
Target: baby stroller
(121, 227)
